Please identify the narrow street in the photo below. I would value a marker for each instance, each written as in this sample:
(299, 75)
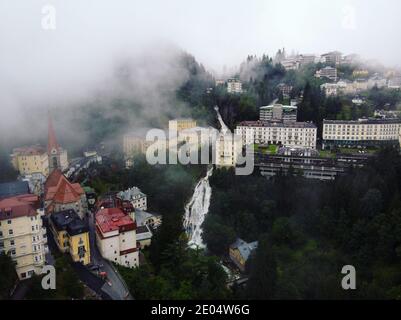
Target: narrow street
(115, 286)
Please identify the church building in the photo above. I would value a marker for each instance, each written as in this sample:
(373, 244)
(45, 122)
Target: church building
(57, 156)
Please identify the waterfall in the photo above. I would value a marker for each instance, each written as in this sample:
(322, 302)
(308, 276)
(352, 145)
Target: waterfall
(198, 207)
(224, 129)
(196, 210)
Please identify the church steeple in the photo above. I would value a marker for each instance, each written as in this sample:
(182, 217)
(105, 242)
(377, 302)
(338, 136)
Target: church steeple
(57, 156)
(52, 144)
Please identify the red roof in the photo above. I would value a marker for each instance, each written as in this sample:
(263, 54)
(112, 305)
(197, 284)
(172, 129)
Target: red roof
(31, 150)
(53, 178)
(112, 219)
(60, 190)
(18, 206)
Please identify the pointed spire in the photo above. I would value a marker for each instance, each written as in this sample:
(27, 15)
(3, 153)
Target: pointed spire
(52, 141)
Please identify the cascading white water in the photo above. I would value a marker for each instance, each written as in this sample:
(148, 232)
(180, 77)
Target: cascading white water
(198, 207)
(196, 210)
(224, 129)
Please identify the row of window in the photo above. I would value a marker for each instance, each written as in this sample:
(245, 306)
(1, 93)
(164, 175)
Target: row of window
(328, 137)
(11, 231)
(362, 130)
(309, 130)
(12, 244)
(24, 274)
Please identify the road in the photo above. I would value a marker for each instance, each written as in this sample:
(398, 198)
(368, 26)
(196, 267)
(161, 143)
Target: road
(115, 286)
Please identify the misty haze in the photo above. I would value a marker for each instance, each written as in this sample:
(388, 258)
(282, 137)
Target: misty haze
(281, 125)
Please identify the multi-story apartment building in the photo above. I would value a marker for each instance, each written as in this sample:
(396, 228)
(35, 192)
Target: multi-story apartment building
(348, 87)
(360, 73)
(363, 132)
(60, 195)
(234, 86)
(290, 134)
(116, 237)
(31, 160)
(278, 112)
(394, 83)
(177, 125)
(351, 58)
(330, 89)
(291, 63)
(285, 89)
(306, 59)
(333, 58)
(22, 234)
(71, 235)
(327, 72)
(377, 81)
(228, 148)
(135, 196)
(135, 143)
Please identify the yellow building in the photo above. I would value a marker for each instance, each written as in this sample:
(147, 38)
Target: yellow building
(360, 73)
(71, 235)
(30, 160)
(135, 143)
(240, 251)
(22, 234)
(177, 125)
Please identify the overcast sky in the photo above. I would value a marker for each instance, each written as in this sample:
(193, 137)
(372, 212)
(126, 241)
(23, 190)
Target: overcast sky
(39, 65)
(218, 33)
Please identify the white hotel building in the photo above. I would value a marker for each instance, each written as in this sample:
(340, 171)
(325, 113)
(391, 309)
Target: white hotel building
(116, 237)
(290, 134)
(363, 132)
(234, 86)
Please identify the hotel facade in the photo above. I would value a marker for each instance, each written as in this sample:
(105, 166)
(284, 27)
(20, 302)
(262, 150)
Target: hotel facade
(22, 234)
(293, 134)
(362, 132)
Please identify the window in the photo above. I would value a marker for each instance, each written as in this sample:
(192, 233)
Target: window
(12, 242)
(9, 221)
(10, 231)
(23, 275)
